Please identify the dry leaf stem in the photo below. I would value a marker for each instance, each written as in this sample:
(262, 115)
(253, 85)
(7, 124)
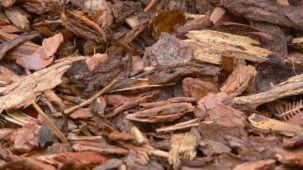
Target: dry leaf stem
(50, 124)
(105, 89)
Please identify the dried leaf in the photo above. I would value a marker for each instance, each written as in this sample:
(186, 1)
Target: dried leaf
(167, 21)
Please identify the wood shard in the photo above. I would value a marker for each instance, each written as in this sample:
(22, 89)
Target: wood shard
(293, 86)
(284, 128)
(33, 85)
(209, 45)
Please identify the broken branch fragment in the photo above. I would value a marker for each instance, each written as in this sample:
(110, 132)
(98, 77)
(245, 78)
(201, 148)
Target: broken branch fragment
(33, 85)
(279, 127)
(209, 45)
(6, 46)
(293, 86)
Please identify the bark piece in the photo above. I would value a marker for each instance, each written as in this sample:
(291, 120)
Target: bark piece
(290, 157)
(23, 164)
(43, 56)
(204, 6)
(133, 164)
(209, 45)
(38, 7)
(293, 142)
(167, 21)
(109, 164)
(183, 147)
(159, 117)
(259, 148)
(80, 30)
(94, 60)
(93, 5)
(168, 51)
(197, 88)
(209, 147)
(266, 11)
(227, 116)
(166, 74)
(257, 165)
(121, 136)
(34, 62)
(3, 19)
(58, 148)
(115, 100)
(122, 10)
(127, 105)
(284, 128)
(10, 29)
(217, 13)
(33, 85)
(216, 132)
(238, 80)
(115, 66)
(241, 29)
(209, 102)
(26, 138)
(46, 135)
(296, 59)
(292, 86)
(5, 132)
(106, 149)
(296, 119)
(166, 109)
(17, 19)
(277, 44)
(99, 106)
(25, 48)
(138, 65)
(7, 77)
(107, 18)
(270, 74)
(83, 113)
(91, 159)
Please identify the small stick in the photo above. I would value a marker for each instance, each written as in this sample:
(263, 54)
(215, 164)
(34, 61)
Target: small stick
(178, 126)
(105, 89)
(50, 123)
(152, 3)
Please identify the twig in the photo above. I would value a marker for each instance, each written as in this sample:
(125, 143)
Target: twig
(293, 86)
(6, 46)
(152, 3)
(50, 124)
(178, 126)
(105, 89)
